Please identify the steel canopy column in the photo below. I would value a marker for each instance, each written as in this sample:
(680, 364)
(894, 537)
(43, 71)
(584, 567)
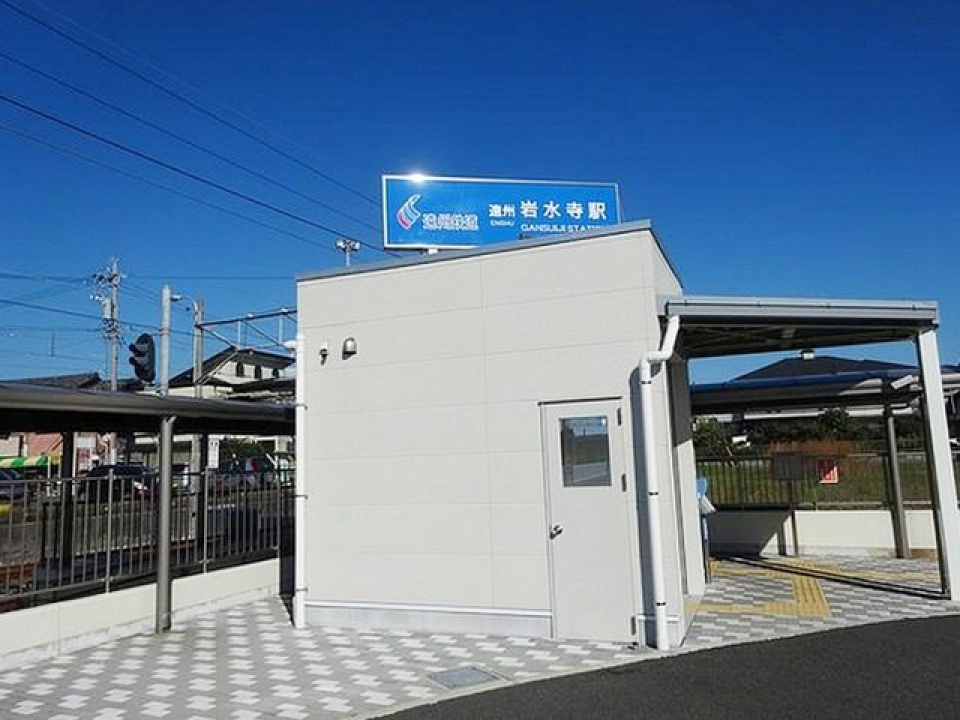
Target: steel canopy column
(898, 516)
(943, 487)
(164, 582)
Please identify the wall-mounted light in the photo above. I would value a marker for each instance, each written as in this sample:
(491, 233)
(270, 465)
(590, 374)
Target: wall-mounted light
(324, 352)
(349, 347)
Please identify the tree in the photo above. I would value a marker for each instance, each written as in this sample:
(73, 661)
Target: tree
(710, 438)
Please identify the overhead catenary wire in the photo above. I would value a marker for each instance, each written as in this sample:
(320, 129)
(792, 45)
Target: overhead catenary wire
(182, 139)
(106, 57)
(26, 107)
(165, 188)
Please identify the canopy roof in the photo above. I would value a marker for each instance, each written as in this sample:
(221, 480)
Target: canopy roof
(718, 326)
(51, 409)
(31, 461)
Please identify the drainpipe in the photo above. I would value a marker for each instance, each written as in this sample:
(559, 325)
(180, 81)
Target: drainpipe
(299, 509)
(647, 361)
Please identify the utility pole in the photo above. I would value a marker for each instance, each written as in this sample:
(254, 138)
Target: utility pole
(166, 298)
(348, 246)
(197, 346)
(196, 442)
(114, 279)
(109, 298)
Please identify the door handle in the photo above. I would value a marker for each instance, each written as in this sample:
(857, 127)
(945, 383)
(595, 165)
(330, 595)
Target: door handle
(555, 530)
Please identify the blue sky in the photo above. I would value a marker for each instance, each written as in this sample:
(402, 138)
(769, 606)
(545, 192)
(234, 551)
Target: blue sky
(790, 148)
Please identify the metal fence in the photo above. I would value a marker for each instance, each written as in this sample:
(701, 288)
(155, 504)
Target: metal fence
(748, 482)
(66, 537)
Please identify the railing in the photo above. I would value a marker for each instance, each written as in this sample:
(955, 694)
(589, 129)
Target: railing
(65, 537)
(747, 482)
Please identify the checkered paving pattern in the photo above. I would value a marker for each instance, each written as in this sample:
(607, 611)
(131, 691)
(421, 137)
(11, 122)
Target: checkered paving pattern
(763, 601)
(249, 663)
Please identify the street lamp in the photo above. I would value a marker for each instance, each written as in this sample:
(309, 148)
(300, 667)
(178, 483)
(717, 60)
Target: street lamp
(348, 246)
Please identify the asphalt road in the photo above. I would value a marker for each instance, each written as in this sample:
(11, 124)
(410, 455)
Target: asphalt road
(905, 669)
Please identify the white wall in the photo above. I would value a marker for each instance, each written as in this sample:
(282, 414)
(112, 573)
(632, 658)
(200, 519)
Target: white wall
(424, 460)
(34, 634)
(818, 532)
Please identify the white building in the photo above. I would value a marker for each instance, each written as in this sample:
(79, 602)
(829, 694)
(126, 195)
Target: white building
(473, 446)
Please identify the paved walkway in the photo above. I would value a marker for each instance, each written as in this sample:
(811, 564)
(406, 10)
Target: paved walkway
(777, 597)
(248, 662)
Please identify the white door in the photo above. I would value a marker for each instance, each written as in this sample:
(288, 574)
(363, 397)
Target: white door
(588, 516)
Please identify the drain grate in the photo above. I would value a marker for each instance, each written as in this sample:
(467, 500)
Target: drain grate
(462, 677)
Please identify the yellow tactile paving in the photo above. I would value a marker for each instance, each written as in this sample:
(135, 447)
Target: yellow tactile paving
(846, 571)
(808, 597)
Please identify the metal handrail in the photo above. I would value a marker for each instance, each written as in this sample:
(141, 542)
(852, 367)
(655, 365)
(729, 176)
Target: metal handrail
(62, 537)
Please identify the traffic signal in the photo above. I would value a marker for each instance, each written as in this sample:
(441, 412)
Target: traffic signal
(143, 358)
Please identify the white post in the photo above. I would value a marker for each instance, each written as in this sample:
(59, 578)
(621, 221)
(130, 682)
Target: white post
(300, 484)
(943, 485)
(655, 539)
(164, 593)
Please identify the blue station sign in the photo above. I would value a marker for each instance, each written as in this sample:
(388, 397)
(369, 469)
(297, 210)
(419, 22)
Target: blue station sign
(422, 213)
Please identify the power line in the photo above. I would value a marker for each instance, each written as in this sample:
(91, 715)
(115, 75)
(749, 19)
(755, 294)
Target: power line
(219, 278)
(161, 186)
(142, 291)
(171, 167)
(173, 93)
(84, 316)
(16, 329)
(180, 138)
(54, 356)
(43, 278)
(160, 163)
(44, 308)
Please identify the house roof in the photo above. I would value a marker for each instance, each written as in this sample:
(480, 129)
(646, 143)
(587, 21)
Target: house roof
(820, 365)
(820, 382)
(274, 385)
(78, 381)
(232, 353)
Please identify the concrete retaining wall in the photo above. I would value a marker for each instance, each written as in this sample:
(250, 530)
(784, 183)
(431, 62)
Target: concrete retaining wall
(34, 634)
(818, 532)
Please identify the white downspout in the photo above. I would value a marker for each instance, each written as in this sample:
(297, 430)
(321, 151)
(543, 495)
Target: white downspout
(647, 361)
(299, 501)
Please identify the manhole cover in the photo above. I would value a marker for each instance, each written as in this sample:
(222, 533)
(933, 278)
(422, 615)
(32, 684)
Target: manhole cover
(462, 677)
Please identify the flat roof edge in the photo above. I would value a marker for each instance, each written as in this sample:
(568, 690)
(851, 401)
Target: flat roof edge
(445, 255)
(706, 306)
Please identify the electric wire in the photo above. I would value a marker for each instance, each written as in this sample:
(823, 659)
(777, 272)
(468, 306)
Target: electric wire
(84, 316)
(14, 102)
(166, 188)
(17, 329)
(186, 141)
(6, 275)
(218, 278)
(173, 93)
(54, 356)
